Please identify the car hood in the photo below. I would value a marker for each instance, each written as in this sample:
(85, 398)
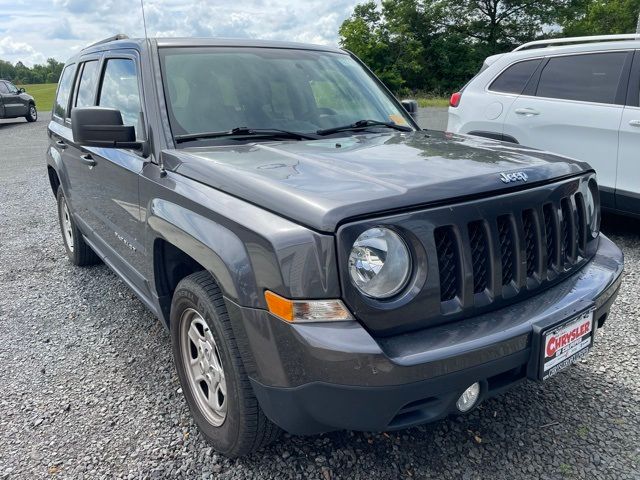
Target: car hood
(322, 183)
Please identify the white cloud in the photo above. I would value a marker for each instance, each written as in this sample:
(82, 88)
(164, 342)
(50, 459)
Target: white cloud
(16, 49)
(55, 28)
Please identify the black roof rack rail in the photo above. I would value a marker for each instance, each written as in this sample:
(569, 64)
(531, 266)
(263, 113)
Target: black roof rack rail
(119, 36)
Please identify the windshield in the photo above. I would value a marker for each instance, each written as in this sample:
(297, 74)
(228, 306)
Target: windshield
(213, 89)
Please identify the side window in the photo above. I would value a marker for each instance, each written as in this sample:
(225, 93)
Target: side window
(64, 88)
(87, 86)
(588, 78)
(12, 88)
(120, 90)
(515, 78)
(3, 88)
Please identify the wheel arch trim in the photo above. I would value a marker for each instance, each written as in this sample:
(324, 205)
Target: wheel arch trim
(208, 243)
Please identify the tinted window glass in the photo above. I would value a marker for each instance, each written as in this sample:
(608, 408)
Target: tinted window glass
(515, 78)
(64, 88)
(120, 89)
(87, 84)
(3, 88)
(588, 78)
(12, 88)
(217, 89)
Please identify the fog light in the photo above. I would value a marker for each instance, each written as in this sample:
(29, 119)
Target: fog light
(468, 398)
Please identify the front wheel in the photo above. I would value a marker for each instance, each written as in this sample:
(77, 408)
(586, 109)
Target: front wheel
(214, 382)
(32, 113)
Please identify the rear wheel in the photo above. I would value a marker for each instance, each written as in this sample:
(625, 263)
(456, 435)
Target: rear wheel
(211, 371)
(32, 113)
(77, 249)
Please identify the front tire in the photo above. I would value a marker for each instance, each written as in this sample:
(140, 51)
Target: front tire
(32, 113)
(79, 253)
(214, 382)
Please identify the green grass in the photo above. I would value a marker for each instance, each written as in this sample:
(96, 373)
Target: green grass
(43, 94)
(433, 101)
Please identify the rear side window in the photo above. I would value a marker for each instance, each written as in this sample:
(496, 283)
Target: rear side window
(64, 88)
(87, 86)
(120, 89)
(515, 78)
(587, 78)
(3, 88)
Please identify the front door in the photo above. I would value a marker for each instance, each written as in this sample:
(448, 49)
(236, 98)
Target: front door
(111, 185)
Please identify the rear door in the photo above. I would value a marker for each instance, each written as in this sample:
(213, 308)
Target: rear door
(482, 111)
(575, 110)
(628, 177)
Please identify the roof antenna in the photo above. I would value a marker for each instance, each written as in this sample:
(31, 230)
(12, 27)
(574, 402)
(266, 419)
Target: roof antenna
(148, 130)
(144, 20)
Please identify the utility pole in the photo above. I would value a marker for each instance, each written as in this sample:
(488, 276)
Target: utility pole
(638, 25)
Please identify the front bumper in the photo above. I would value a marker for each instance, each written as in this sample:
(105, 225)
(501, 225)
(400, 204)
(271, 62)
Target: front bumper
(327, 376)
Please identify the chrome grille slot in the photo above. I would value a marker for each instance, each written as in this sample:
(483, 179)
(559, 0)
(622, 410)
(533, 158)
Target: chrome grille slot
(550, 233)
(479, 244)
(568, 232)
(448, 263)
(582, 222)
(531, 242)
(507, 248)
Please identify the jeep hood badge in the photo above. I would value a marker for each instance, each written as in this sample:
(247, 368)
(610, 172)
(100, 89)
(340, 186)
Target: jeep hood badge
(514, 177)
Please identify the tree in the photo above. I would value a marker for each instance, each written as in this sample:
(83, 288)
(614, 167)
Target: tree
(437, 45)
(21, 74)
(602, 17)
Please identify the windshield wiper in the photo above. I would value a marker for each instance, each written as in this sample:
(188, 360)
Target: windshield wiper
(363, 124)
(246, 132)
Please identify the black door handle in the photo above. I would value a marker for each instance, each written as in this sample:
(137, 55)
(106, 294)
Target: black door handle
(88, 160)
(61, 144)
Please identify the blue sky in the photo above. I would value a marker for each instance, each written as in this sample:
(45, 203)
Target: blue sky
(33, 30)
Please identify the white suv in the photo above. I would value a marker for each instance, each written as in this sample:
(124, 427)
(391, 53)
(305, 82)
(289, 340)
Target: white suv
(574, 96)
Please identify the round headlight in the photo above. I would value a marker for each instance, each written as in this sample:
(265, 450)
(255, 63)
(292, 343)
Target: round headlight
(379, 263)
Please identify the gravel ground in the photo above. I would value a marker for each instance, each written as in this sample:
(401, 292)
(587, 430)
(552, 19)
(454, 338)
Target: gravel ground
(90, 390)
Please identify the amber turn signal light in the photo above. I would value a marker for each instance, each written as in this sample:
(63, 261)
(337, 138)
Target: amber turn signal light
(306, 311)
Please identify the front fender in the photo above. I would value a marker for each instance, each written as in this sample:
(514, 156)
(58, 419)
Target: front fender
(202, 239)
(246, 248)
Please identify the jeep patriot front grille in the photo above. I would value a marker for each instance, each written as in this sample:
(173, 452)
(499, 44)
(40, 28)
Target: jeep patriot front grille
(506, 253)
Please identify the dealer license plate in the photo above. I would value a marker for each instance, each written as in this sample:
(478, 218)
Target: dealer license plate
(566, 344)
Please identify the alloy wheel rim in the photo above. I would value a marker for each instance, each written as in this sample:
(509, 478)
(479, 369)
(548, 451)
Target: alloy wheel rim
(203, 365)
(67, 229)
(33, 112)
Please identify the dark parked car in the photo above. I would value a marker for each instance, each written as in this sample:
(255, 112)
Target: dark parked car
(321, 262)
(15, 103)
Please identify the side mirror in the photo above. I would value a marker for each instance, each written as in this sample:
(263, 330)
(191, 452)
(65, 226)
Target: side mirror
(21, 90)
(102, 127)
(411, 106)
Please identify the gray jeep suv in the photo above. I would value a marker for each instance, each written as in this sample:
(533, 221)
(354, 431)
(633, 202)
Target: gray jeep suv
(321, 262)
